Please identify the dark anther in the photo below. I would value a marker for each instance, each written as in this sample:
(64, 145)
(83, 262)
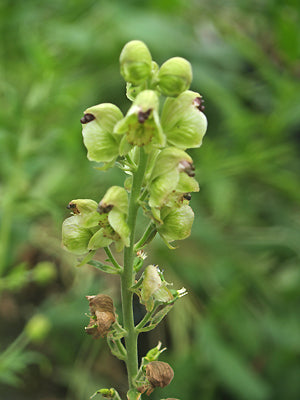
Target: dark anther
(187, 167)
(143, 116)
(73, 207)
(87, 118)
(104, 208)
(187, 196)
(198, 103)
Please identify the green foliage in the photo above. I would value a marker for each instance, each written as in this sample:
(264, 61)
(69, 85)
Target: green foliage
(241, 265)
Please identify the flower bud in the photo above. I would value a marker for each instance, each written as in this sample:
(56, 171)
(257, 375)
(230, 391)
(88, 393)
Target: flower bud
(103, 315)
(97, 126)
(37, 327)
(141, 124)
(44, 272)
(174, 76)
(182, 120)
(154, 288)
(75, 238)
(159, 374)
(135, 62)
(177, 223)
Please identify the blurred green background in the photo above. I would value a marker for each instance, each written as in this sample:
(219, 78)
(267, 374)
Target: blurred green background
(237, 335)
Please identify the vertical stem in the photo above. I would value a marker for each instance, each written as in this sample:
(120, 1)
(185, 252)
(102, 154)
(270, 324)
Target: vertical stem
(127, 277)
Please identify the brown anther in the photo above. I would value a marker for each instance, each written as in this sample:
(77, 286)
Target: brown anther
(187, 196)
(159, 374)
(73, 207)
(104, 208)
(187, 167)
(198, 103)
(87, 118)
(143, 116)
(103, 315)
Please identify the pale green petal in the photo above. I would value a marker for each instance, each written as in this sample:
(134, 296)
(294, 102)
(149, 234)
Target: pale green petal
(99, 240)
(187, 184)
(75, 238)
(168, 160)
(117, 197)
(117, 221)
(161, 188)
(177, 224)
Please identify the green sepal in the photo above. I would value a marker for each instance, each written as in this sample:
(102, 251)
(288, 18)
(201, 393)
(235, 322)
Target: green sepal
(102, 146)
(75, 238)
(87, 258)
(169, 159)
(183, 122)
(161, 188)
(117, 197)
(117, 221)
(187, 184)
(110, 394)
(177, 223)
(99, 240)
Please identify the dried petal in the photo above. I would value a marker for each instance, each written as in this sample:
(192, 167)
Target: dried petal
(159, 374)
(103, 315)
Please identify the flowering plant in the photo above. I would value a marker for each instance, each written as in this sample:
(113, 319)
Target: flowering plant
(149, 144)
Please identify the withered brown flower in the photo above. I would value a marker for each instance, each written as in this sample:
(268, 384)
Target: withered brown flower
(158, 374)
(103, 315)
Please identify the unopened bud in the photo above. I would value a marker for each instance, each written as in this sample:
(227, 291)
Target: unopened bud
(103, 315)
(174, 76)
(37, 327)
(135, 62)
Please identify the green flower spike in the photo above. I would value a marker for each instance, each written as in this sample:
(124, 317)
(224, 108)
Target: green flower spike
(172, 176)
(174, 76)
(113, 214)
(154, 288)
(177, 223)
(141, 125)
(97, 126)
(182, 120)
(135, 62)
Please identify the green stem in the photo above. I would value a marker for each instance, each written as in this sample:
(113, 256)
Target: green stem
(112, 258)
(148, 235)
(146, 318)
(127, 277)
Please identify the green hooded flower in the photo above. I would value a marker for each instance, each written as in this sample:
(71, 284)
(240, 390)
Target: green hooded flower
(182, 120)
(177, 223)
(113, 215)
(135, 62)
(141, 125)
(174, 76)
(97, 127)
(154, 288)
(75, 237)
(172, 176)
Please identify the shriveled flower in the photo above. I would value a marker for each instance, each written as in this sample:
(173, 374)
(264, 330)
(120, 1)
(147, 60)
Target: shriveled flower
(141, 125)
(102, 315)
(158, 374)
(183, 121)
(97, 126)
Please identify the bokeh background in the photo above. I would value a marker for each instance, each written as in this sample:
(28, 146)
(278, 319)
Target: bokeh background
(237, 335)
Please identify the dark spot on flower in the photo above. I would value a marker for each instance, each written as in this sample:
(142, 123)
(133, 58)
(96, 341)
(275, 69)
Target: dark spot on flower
(104, 208)
(187, 167)
(187, 196)
(198, 103)
(87, 118)
(73, 207)
(143, 116)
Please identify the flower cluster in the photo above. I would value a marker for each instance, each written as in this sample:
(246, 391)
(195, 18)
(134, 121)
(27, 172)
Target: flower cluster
(165, 119)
